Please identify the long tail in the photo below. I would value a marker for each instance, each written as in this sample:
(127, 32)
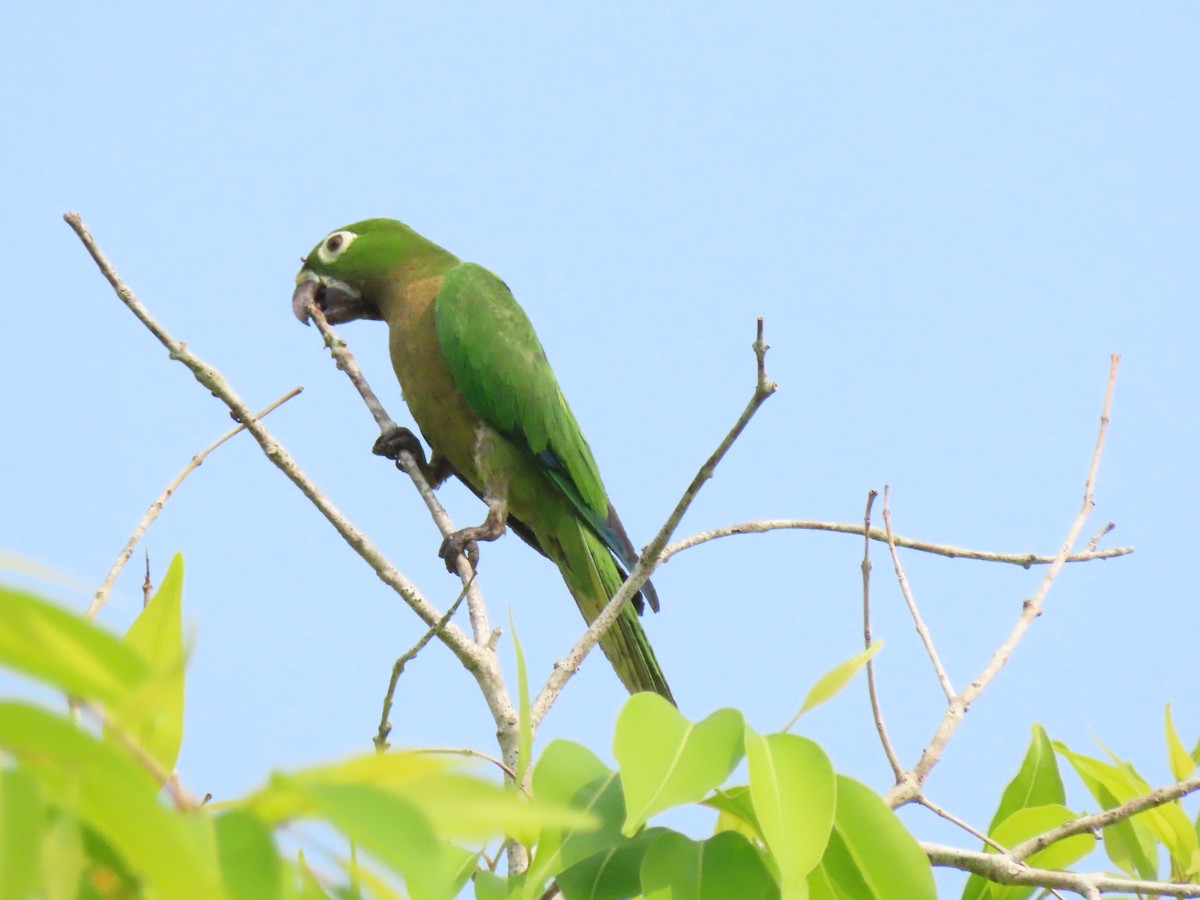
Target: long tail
(592, 576)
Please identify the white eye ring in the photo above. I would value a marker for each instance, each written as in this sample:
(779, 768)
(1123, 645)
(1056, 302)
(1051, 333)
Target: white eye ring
(335, 245)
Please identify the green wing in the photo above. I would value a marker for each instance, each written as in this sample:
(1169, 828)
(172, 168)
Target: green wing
(498, 363)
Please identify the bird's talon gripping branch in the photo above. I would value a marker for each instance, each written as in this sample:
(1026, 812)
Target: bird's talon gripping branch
(461, 543)
(397, 440)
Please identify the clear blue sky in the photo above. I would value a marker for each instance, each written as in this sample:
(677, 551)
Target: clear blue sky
(949, 216)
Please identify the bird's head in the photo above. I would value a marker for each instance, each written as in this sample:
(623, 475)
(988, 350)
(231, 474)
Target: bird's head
(347, 275)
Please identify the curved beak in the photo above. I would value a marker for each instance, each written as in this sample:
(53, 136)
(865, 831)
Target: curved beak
(336, 299)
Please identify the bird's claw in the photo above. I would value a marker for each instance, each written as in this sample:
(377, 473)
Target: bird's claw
(397, 440)
(459, 544)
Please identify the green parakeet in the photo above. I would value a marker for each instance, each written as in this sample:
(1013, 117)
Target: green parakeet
(477, 382)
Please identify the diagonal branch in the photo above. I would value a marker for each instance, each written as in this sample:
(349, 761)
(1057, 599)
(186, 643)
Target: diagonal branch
(101, 595)
(340, 351)
(909, 788)
(652, 552)
(918, 622)
(1108, 817)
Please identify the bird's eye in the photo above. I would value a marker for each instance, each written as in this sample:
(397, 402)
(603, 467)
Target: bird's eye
(335, 245)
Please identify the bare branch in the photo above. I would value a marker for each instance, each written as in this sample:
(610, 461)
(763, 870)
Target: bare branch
(476, 754)
(569, 664)
(101, 595)
(1003, 869)
(876, 710)
(340, 351)
(1099, 820)
(908, 790)
(385, 726)
(1024, 560)
(922, 630)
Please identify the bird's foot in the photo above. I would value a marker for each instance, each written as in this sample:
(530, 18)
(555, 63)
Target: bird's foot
(465, 541)
(397, 440)
(460, 543)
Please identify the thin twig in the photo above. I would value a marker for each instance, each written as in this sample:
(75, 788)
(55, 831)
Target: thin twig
(385, 726)
(872, 692)
(180, 796)
(476, 754)
(922, 630)
(1002, 869)
(909, 789)
(1024, 560)
(344, 359)
(950, 817)
(101, 595)
(569, 664)
(340, 351)
(1108, 817)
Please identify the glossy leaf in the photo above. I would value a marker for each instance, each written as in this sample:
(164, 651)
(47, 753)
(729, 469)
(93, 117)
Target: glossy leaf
(569, 774)
(22, 821)
(1037, 783)
(793, 787)
(58, 647)
(665, 760)
(831, 683)
(1177, 833)
(524, 719)
(153, 716)
(870, 854)
(724, 867)
(62, 857)
(1030, 822)
(1182, 764)
(114, 796)
(385, 825)
(1112, 786)
(249, 860)
(735, 812)
(613, 872)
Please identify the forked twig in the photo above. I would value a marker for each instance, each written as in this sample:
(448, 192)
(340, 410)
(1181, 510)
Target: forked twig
(101, 595)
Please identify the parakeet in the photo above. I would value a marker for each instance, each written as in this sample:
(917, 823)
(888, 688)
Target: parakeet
(483, 395)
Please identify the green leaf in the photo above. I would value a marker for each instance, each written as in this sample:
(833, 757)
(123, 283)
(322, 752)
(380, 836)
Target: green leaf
(524, 719)
(1182, 764)
(832, 682)
(1129, 842)
(1037, 783)
(22, 821)
(1178, 834)
(114, 796)
(735, 812)
(461, 806)
(613, 872)
(490, 886)
(153, 716)
(387, 826)
(871, 855)
(794, 790)
(277, 803)
(249, 861)
(665, 760)
(62, 857)
(60, 648)
(1030, 822)
(568, 774)
(725, 867)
